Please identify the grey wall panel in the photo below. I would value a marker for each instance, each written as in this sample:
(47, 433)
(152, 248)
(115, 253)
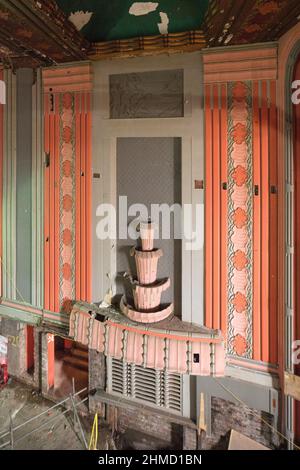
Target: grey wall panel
(24, 184)
(157, 94)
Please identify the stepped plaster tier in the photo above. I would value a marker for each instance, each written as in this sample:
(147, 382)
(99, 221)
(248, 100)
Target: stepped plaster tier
(147, 290)
(149, 297)
(147, 235)
(145, 317)
(146, 265)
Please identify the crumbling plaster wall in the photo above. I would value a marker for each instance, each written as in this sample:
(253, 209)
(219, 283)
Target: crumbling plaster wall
(15, 332)
(226, 415)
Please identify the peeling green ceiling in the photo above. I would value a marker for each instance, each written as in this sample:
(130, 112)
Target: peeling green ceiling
(104, 20)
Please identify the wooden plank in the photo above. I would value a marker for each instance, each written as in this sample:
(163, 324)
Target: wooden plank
(51, 360)
(208, 209)
(240, 442)
(256, 228)
(202, 424)
(292, 385)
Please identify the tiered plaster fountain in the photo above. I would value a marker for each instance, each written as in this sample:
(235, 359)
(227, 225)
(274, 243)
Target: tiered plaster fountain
(147, 290)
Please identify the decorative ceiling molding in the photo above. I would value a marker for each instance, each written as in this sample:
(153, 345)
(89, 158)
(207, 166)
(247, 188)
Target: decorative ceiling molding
(34, 33)
(242, 64)
(229, 22)
(71, 78)
(188, 41)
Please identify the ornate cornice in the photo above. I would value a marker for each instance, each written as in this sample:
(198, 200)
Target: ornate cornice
(233, 64)
(70, 78)
(150, 45)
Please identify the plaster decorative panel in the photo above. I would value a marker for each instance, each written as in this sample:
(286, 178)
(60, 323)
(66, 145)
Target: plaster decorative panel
(157, 94)
(240, 64)
(172, 345)
(241, 193)
(240, 219)
(67, 200)
(67, 186)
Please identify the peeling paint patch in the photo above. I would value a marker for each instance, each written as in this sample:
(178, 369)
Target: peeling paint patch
(228, 39)
(2, 92)
(143, 8)
(80, 18)
(164, 25)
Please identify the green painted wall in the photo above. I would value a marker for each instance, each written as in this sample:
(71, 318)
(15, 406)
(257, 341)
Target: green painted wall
(111, 18)
(24, 185)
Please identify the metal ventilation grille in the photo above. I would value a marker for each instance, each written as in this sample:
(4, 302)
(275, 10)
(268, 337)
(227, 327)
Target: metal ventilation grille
(154, 387)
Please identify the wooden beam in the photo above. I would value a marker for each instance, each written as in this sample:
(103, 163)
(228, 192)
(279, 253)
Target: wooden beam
(292, 385)
(34, 33)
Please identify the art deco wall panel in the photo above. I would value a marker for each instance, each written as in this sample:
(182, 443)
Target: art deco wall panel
(67, 122)
(241, 207)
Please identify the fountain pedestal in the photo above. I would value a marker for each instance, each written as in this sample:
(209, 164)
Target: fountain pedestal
(147, 290)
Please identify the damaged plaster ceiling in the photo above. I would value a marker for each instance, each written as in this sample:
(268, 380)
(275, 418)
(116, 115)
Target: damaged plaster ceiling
(232, 22)
(47, 32)
(224, 22)
(103, 20)
(34, 32)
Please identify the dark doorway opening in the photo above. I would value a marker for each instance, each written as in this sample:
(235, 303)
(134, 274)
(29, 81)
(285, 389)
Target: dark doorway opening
(71, 362)
(30, 349)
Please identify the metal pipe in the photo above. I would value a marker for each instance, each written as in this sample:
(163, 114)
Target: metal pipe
(41, 414)
(42, 425)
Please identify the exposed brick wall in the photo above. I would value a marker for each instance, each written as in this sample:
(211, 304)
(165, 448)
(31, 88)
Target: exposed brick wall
(190, 438)
(44, 362)
(97, 380)
(97, 373)
(226, 415)
(152, 424)
(16, 334)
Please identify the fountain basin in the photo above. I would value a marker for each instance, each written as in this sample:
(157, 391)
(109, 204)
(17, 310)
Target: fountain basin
(146, 264)
(145, 317)
(149, 297)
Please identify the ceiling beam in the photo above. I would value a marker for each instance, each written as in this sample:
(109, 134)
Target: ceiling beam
(40, 32)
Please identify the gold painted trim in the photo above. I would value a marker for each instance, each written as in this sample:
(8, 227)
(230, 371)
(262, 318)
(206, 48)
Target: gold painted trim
(188, 41)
